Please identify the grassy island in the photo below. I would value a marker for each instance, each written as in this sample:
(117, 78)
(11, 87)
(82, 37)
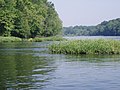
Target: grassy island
(97, 46)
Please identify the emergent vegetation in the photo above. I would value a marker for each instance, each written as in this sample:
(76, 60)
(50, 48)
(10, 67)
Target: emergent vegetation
(53, 38)
(106, 28)
(28, 18)
(98, 46)
(10, 39)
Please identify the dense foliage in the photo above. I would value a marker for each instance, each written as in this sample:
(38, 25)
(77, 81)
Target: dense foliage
(28, 18)
(98, 46)
(106, 28)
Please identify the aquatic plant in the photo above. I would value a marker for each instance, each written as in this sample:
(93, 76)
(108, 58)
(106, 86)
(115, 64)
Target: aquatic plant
(10, 39)
(40, 39)
(97, 46)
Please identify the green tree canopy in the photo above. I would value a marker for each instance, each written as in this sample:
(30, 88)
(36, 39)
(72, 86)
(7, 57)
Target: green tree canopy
(106, 28)
(28, 18)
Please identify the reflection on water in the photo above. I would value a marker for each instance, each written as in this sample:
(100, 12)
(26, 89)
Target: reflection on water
(30, 66)
(21, 71)
(19, 68)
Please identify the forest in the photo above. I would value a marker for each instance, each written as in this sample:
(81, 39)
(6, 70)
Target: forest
(28, 18)
(106, 28)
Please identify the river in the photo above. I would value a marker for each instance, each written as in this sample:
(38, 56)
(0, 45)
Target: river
(30, 66)
(93, 37)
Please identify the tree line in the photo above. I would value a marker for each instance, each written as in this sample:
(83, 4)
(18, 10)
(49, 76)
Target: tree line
(106, 28)
(28, 18)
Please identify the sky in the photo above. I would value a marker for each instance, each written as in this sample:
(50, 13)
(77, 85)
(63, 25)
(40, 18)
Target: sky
(86, 12)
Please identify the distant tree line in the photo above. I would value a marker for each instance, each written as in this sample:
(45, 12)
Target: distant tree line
(28, 18)
(106, 28)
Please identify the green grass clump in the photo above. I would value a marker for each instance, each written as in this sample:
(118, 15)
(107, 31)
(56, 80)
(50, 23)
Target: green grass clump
(41, 39)
(10, 39)
(98, 46)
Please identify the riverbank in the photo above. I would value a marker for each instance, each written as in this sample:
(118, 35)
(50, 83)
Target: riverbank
(10, 39)
(41, 39)
(37, 39)
(88, 46)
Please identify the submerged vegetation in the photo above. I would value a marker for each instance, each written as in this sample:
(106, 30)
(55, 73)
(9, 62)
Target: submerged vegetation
(97, 46)
(10, 39)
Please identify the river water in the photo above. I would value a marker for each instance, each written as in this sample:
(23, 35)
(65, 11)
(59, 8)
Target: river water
(93, 37)
(30, 66)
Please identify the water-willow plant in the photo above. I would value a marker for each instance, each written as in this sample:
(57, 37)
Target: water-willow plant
(10, 39)
(97, 46)
(53, 38)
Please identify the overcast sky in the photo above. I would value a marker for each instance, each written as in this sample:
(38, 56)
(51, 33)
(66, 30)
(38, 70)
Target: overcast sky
(86, 12)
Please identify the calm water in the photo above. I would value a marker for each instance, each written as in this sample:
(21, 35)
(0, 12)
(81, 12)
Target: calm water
(93, 37)
(30, 66)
